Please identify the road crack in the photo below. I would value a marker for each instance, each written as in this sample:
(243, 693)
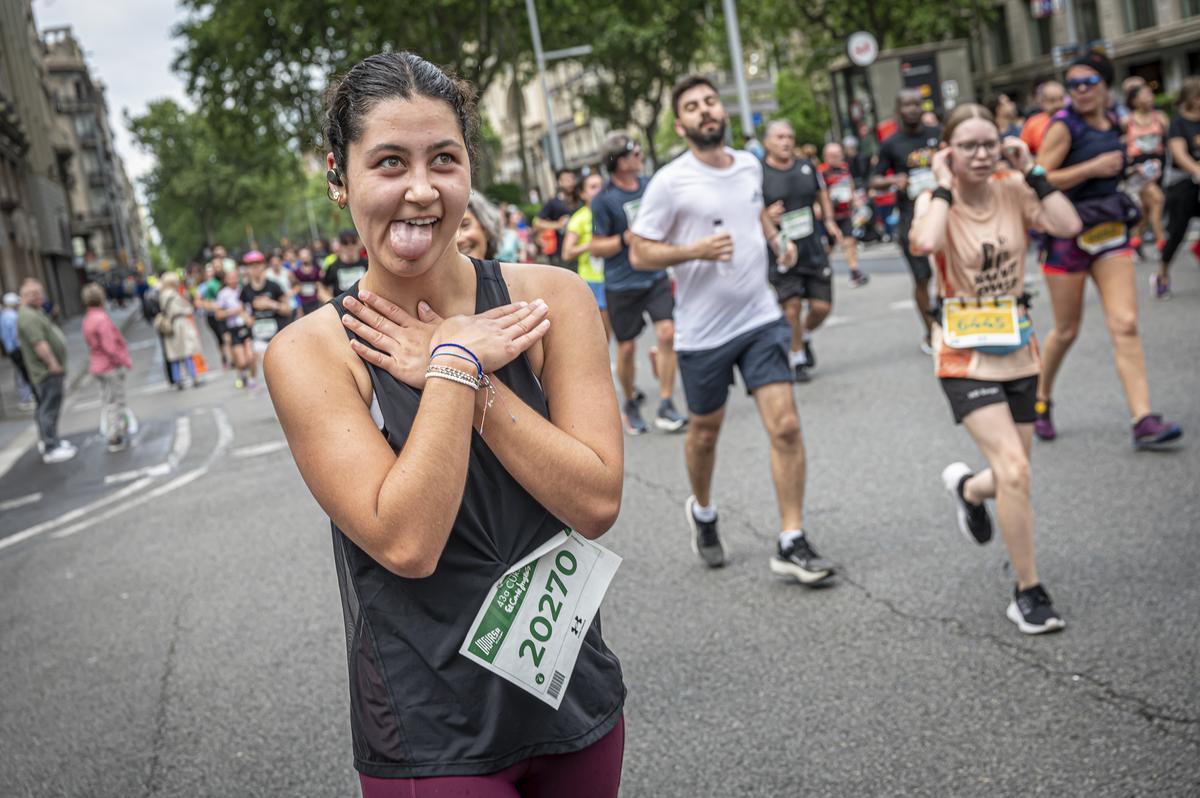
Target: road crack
(153, 781)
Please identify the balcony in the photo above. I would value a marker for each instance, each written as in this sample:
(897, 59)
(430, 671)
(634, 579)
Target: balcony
(89, 140)
(97, 180)
(74, 105)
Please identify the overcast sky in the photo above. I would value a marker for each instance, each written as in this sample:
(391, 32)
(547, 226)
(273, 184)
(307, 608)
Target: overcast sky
(129, 48)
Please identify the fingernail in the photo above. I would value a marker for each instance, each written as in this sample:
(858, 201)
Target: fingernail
(423, 307)
(365, 294)
(522, 304)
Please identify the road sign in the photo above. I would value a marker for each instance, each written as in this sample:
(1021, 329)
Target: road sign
(1040, 9)
(949, 89)
(862, 48)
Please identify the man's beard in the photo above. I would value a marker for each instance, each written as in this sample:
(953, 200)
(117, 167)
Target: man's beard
(706, 141)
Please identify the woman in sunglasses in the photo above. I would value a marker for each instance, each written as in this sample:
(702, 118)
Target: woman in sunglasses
(1082, 154)
(974, 224)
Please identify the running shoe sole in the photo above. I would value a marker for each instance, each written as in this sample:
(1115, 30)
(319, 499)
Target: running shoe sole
(669, 426)
(1052, 625)
(951, 476)
(1164, 444)
(784, 568)
(712, 557)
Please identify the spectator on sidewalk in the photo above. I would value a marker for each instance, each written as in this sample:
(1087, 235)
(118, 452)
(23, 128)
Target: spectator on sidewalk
(44, 350)
(108, 362)
(181, 341)
(12, 348)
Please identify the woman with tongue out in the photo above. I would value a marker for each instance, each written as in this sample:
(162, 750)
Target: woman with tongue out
(436, 480)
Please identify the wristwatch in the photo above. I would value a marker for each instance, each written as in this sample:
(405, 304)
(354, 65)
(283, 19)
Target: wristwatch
(1037, 171)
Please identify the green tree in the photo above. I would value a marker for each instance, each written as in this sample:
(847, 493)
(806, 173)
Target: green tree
(801, 106)
(273, 58)
(213, 180)
(639, 49)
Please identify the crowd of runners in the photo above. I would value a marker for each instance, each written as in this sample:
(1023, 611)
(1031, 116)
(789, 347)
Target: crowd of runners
(457, 417)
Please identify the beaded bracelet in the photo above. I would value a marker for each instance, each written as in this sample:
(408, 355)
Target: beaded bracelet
(454, 375)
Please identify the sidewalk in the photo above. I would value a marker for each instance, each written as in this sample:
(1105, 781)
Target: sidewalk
(13, 422)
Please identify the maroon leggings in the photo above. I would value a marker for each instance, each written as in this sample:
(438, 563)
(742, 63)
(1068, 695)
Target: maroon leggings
(594, 772)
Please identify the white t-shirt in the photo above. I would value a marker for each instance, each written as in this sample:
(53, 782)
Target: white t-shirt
(713, 304)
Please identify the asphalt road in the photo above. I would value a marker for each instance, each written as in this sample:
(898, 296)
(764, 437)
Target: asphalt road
(169, 617)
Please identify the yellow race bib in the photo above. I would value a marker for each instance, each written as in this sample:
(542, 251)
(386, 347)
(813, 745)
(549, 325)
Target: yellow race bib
(968, 323)
(1104, 236)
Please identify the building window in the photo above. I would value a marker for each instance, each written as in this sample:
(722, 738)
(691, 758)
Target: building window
(1190, 8)
(1043, 34)
(1088, 20)
(1001, 48)
(1140, 14)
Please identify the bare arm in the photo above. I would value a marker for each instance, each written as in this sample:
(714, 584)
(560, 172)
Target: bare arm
(571, 246)
(399, 509)
(1058, 216)
(827, 214)
(46, 353)
(1053, 152)
(573, 463)
(648, 255)
(928, 233)
(1182, 158)
(581, 443)
(607, 246)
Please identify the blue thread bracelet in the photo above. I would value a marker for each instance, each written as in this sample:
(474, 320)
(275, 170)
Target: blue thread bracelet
(460, 357)
(461, 348)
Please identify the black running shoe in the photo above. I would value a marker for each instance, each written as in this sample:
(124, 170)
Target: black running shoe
(801, 561)
(973, 519)
(639, 396)
(801, 372)
(632, 417)
(1033, 612)
(706, 543)
(809, 357)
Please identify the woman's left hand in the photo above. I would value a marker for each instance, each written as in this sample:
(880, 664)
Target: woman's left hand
(1017, 152)
(399, 342)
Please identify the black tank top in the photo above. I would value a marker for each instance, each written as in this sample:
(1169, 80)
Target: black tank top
(418, 708)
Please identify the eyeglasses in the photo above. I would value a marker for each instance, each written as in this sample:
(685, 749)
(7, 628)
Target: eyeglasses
(990, 147)
(1075, 84)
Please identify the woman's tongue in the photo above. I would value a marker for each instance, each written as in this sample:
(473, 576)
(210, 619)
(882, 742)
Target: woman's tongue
(410, 241)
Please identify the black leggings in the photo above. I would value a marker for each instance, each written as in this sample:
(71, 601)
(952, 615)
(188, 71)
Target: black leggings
(1183, 205)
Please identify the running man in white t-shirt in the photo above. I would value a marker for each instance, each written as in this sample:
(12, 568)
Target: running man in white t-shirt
(703, 216)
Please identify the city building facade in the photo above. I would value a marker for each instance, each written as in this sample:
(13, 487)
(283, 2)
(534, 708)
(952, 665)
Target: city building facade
(1158, 40)
(106, 228)
(35, 236)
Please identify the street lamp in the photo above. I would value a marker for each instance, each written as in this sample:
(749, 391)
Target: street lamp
(739, 77)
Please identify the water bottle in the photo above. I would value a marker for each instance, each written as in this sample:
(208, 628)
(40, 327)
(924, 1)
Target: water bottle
(724, 267)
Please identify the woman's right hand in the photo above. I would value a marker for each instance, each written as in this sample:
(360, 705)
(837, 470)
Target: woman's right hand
(1108, 164)
(497, 336)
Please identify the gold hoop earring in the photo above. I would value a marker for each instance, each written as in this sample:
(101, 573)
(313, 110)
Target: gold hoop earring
(342, 200)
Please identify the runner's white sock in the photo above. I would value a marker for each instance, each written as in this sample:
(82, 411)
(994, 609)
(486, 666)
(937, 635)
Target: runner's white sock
(807, 335)
(799, 358)
(788, 536)
(706, 514)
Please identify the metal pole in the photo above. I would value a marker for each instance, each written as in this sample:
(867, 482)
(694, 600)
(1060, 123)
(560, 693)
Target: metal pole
(312, 222)
(556, 156)
(739, 73)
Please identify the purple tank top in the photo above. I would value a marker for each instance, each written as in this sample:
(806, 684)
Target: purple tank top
(1086, 143)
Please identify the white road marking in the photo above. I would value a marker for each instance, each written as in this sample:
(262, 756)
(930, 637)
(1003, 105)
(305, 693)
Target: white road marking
(179, 450)
(75, 514)
(224, 438)
(20, 501)
(259, 449)
(903, 304)
(144, 390)
(12, 453)
(148, 344)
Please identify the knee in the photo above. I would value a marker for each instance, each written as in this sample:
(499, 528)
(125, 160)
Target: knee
(1123, 325)
(785, 433)
(702, 437)
(664, 331)
(1067, 331)
(1012, 473)
(625, 349)
(817, 311)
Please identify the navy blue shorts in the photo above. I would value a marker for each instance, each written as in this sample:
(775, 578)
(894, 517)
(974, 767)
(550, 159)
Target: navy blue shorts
(761, 355)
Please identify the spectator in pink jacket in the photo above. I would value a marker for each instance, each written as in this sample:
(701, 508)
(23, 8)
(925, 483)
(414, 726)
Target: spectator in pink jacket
(109, 361)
